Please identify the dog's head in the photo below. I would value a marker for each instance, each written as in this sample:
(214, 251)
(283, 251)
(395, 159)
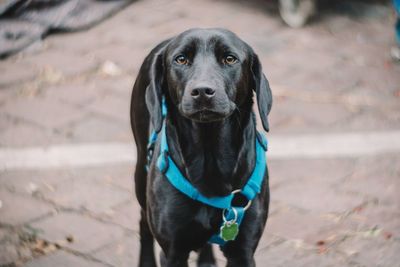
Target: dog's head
(207, 74)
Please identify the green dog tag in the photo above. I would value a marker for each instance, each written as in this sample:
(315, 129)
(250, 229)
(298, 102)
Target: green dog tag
(229, 231)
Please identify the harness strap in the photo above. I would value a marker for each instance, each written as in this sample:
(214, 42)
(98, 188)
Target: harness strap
(167, 166)
(253, 186)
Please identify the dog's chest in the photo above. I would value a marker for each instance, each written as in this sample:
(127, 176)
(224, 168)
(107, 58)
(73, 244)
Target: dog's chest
(170, 207)
(206, 217)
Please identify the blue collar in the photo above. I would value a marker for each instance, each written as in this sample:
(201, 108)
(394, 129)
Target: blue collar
(230, 213)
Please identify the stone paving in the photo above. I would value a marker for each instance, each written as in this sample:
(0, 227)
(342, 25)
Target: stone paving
(332, 76)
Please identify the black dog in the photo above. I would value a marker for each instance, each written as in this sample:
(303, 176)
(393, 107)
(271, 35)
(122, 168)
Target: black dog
(206, 78)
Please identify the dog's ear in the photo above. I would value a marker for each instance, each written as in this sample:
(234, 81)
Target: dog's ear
(263, 91)
(154, 91)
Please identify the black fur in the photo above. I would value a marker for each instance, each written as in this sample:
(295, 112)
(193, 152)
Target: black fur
(211, 135)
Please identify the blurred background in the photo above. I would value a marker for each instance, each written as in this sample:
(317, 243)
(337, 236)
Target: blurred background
(67, 152)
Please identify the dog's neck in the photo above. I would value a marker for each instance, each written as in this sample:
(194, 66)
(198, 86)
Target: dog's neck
(216, 157)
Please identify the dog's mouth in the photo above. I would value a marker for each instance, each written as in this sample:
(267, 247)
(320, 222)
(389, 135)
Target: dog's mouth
(206, 115)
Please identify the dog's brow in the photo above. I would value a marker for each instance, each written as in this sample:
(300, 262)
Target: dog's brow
(223, 47)
(189, 46)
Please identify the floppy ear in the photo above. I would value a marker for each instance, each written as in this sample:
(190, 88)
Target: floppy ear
(154, 92)
(263, 91)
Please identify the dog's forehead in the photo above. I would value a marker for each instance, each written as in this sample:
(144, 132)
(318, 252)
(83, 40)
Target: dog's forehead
(202, 38)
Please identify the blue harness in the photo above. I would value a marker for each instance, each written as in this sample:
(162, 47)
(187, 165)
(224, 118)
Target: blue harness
(232, 216)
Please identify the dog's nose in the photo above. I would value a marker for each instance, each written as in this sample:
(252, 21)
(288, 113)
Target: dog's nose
(202, 92)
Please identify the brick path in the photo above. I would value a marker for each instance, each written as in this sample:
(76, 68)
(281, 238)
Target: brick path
(333, 76)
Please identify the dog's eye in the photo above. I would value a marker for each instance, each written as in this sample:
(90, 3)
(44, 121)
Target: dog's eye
(182, 60)
(229, 60)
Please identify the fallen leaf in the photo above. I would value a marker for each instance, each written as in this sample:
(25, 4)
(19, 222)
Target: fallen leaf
(69, 238)
(387, 235)
(109, 68)
(44, 247)
(372, 232)
(51, 75)
(32, 188)
(50, 187)
(322, 249)
(358, 209)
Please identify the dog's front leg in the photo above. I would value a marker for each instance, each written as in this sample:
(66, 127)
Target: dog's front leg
(239, 254)
(206, 257)
(174, 258)
(146, 258)
(241, 261)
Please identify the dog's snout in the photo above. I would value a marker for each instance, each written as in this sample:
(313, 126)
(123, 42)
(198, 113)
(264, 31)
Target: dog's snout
(202, 92)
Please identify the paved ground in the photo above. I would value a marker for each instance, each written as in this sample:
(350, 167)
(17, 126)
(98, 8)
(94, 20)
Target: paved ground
(332, 77)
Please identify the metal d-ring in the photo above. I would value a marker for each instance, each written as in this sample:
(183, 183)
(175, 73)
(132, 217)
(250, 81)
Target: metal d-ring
(230, 221)
(237, 191)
